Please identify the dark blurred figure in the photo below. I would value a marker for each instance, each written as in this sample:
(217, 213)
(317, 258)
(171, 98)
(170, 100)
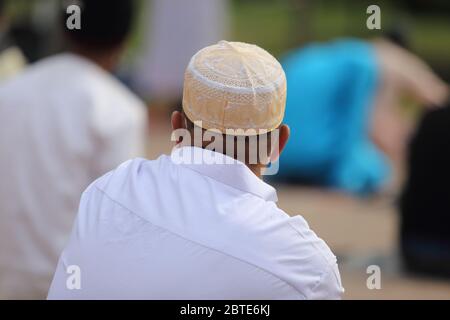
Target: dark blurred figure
(425, 203)
(63, 122)
(433, 6)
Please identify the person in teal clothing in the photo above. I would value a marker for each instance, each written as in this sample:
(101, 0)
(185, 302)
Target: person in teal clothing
(332, 90)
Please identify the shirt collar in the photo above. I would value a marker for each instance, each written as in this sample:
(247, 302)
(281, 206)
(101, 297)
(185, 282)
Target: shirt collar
(224, 169)
(79, 62)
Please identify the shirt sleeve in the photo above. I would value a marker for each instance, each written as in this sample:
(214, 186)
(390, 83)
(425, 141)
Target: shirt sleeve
(323, 268)
(330, 286)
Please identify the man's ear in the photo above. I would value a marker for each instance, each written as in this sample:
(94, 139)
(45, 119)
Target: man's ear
(178, 121)
(283, 136)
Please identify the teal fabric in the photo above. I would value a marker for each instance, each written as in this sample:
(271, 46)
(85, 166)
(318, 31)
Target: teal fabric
(330, 92)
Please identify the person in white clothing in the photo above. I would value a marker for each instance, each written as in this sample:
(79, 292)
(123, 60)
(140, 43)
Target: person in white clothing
(201, 223)
(172, 32)
(63, 122)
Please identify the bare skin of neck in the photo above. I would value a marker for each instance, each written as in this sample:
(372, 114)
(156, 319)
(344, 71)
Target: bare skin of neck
(256, 168)
(179, 121)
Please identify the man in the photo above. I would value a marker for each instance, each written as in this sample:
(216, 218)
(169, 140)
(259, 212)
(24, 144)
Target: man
(345, 96)
(174, 30)
(64, 122)
(201, 223)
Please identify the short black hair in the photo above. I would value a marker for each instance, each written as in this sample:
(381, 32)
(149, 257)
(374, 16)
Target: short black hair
(105, 24)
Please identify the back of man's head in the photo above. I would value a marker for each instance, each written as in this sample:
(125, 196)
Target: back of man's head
(103, 24)
(235, 93)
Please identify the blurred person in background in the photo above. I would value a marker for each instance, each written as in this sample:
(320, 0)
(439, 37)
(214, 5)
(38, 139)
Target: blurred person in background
(12, 59)
(341, 106)
(208, 229)
(64, 121)
(425, 201)
(173, 32)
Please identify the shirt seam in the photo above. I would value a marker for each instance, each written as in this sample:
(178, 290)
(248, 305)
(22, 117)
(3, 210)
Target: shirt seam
(328, 262)
(203, 245)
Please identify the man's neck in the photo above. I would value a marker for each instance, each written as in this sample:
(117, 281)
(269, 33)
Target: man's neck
(106, 61)
(256, 169)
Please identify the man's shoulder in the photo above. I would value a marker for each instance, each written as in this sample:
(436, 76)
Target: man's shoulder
(124, 171)
(313, 257)
(120, 93)
(76, 76)
(29, 77)
(293, 235)
(130, 179)
(287, 247)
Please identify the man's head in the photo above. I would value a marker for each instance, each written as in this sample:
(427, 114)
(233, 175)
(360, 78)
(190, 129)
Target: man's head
(104, 27)
(234, 95)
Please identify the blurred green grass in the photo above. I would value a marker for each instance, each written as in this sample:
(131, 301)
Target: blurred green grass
(280, 25)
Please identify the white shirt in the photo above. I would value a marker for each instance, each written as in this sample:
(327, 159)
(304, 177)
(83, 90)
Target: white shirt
(63, 123)
(162, 230)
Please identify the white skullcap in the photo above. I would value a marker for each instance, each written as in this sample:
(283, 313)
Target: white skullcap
(234, 85)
